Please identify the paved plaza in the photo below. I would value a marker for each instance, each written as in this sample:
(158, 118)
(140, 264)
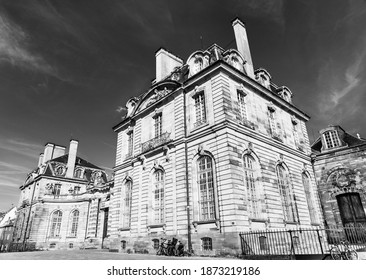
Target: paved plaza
(87, 255)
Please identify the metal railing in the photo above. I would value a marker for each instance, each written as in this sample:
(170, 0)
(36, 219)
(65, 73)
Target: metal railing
(307, 241)
(155, 142)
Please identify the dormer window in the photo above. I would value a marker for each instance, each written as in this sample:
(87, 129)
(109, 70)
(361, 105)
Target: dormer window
(331, 139)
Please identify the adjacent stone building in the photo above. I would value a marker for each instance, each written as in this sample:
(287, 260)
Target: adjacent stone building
(6, 229)
(339, 165)
(64, 203)
(211, 149)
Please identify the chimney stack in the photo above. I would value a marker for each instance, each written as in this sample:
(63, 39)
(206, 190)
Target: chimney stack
(165, 63)
(48, 152)
(58, 151)
(71, 158)
(40, 161)
(242, 45)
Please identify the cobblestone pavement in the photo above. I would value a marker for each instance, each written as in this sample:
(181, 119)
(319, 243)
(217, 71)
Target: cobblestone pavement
(87, 255)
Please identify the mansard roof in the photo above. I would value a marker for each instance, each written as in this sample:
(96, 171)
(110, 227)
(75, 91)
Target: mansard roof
(345, 137)
(78, 162)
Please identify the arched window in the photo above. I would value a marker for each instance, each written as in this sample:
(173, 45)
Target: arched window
(159, 196)
(78, 173)
(56, 219)
(206, 243)
(254, 209)
(331, 139)
(156, 244)
(309, 198)
(74, 223)
(287, 198)
(263, 245)
(206, 189)
(128, 204)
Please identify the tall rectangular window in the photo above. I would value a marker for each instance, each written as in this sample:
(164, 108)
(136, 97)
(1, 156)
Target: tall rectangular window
(287, 198)
(296, 134)
(130, 143)
(252, 191)
(159, 197)
(199, 104)
(206, 189)
(272, 122)
(128, 204)
(74, 223)
(309, 198)
(158, 125)
(242, 105)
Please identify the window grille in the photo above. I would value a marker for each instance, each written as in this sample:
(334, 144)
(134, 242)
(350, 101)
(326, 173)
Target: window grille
(206, 243)
(331, 139)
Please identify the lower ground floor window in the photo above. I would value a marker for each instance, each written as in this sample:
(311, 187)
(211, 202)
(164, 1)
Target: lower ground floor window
(206, 243)
(156, 244)
(71, 245)
(263, 245)
(123, 244)
(53, 245)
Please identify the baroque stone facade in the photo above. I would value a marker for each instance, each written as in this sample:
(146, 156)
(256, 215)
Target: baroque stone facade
(339, 165)
(211, 149)
(64, 203)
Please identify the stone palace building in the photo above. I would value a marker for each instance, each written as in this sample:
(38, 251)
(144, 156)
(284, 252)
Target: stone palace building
(211, 149)
(64, 203)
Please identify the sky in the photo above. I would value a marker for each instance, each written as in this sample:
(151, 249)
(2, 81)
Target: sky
(68, 67)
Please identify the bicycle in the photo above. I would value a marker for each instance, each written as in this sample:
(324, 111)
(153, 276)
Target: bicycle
(342, 251)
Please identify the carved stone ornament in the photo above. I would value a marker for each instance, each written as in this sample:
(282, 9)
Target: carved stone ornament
(158, 94)
(281, 159)
(271, 107)
(200, 149)
(294, 120)
(156, 164)
(242, 89)
(166, 153)
(142, 159)
(250, 147)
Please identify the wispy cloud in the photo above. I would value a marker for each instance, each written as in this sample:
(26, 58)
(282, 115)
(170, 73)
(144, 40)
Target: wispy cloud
(14, 48)
(339, 88)
(21, 147)
(271, 10)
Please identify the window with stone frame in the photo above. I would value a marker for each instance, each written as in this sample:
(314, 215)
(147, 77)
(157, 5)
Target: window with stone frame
(241, 95)
(127, 205)
(200, 108)
(331, 139)
(158, 192)
(78, 173)
(130, 143)
(206, 189)
(56, 220)
(251, 184)
(309, 197)
(156, 244)
(206, 243)
(295, 131)
(57, 190)
(123, 244)
(158, 125)
(286, 194)
(74, 223)
(76, 190)
(272, 121)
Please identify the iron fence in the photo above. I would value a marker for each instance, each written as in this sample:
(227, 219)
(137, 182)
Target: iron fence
(302, 241)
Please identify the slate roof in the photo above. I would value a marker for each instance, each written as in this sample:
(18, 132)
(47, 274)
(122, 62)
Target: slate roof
(349, 139)
(79, 162)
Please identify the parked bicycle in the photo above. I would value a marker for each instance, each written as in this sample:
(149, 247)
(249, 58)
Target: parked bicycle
(342, 251)
(171, 248)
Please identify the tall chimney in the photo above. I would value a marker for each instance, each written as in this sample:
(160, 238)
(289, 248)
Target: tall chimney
(165, 63)
(73, 149)
(242, 45)
(48, 152)
(58, 151)
(40, 161)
